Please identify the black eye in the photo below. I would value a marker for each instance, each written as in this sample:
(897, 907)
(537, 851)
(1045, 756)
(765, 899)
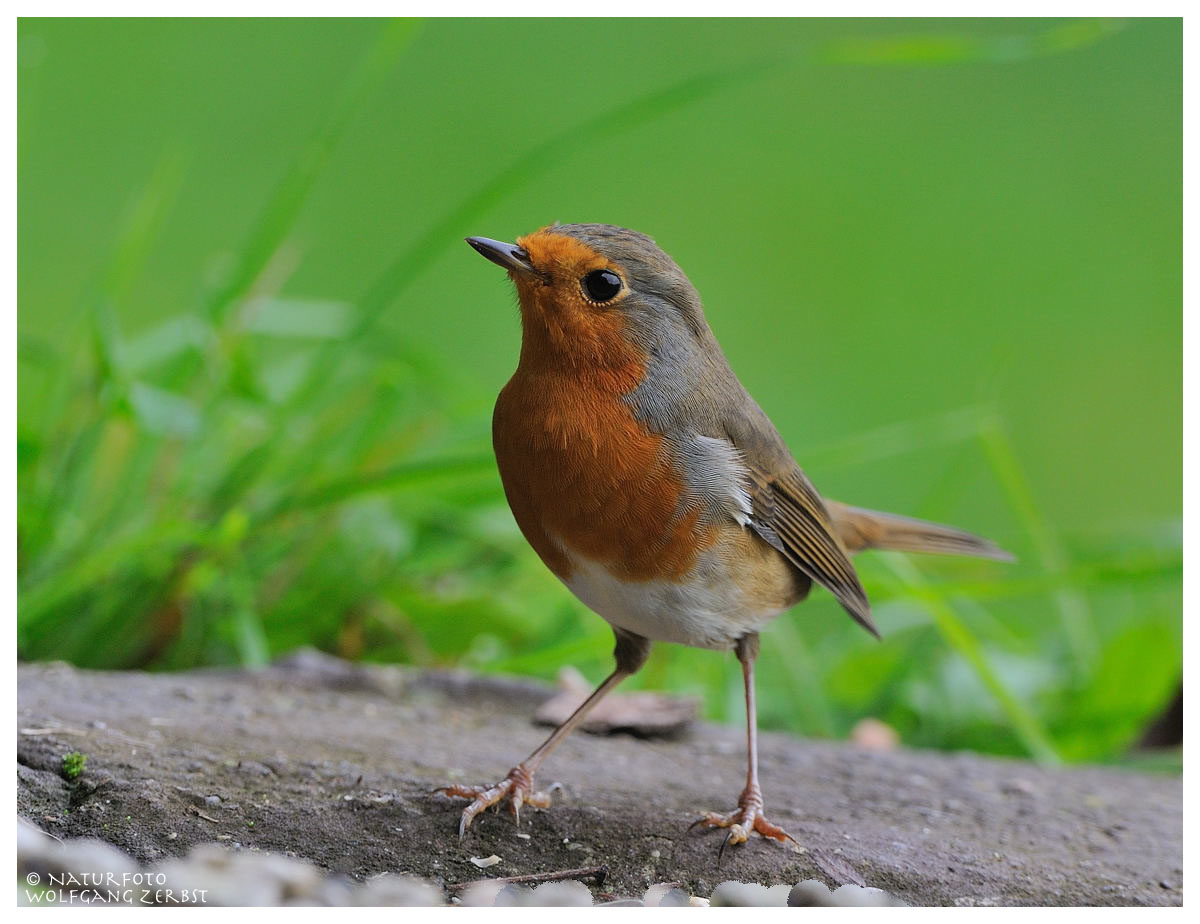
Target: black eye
(601, 285)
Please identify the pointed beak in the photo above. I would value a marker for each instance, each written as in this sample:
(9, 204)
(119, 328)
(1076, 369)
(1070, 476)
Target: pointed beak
(510, 256)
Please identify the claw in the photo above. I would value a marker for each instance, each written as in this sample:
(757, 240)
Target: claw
(516, 788)
(746, 820)
(724, 844)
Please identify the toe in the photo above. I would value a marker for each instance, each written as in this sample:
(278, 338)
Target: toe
(468, 816)
(713, 820)
(773, 831)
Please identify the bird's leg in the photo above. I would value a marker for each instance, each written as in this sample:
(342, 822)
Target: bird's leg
(748, 816)
(517, 787)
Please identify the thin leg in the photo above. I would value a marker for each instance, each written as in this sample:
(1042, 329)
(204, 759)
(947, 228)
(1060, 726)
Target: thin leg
(751, 713)
(517, 787)
(534, 760)
(748, 816)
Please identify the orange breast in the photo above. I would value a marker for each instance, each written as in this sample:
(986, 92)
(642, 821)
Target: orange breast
(580, 470)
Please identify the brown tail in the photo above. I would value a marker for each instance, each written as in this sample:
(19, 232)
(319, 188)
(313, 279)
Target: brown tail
(868, 529)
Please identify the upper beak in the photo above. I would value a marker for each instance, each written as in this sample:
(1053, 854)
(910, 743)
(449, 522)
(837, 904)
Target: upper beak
(510, 256)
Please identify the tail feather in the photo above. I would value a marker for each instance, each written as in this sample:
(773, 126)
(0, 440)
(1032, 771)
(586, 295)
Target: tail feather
(869, 529)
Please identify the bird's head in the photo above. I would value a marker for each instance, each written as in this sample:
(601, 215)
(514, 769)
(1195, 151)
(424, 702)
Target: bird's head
(598, 297)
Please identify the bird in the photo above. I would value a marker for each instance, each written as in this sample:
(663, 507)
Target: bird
(651, 483)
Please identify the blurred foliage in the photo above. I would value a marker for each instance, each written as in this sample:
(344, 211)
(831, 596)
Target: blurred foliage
(226, 451)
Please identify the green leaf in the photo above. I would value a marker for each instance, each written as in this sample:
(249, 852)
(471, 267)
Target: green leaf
(1022, 720)
(297, 317)
(163, 412)
(167, 341)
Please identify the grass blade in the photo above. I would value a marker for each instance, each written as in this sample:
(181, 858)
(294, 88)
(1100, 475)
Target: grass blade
(407, 474)
(281, 210)
(1024, 723)
(1073, 607)
(943, 48)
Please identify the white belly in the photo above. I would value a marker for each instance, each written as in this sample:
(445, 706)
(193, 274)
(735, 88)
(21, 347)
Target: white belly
(708, 609)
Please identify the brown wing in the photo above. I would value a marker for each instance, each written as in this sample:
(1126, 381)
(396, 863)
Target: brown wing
(788, 513)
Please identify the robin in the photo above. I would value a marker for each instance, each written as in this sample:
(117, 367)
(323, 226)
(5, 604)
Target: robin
(650, 482)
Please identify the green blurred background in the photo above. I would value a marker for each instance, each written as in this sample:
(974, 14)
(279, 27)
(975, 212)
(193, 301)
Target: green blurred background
(257, 362)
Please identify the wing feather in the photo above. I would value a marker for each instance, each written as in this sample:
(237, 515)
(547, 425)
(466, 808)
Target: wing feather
(789, 515)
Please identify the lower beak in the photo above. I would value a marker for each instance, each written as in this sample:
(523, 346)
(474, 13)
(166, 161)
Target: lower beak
(510, 256)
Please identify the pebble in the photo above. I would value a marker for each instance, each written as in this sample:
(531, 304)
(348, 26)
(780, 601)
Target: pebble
(236, 878)
(567, 894)
(39, 853)
(811, 893)
(747, 895)
(480, 894)
(513, 895)
(664, 895)
(397, 891)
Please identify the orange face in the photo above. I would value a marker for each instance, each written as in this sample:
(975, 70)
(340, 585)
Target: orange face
(565, 321)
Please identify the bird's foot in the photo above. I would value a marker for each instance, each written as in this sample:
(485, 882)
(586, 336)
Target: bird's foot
(746, 819)
(516, 788)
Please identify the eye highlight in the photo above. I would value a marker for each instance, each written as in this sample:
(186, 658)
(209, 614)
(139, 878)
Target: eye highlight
(601, 285)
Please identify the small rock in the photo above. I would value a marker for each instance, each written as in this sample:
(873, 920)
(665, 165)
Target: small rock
(744, 895)
(232, 878)
(39, 853)
(664, 895)
(811, 893)
(567, 894)
(874, 735)
(481, 894)
(513, 895)
(398, 892)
